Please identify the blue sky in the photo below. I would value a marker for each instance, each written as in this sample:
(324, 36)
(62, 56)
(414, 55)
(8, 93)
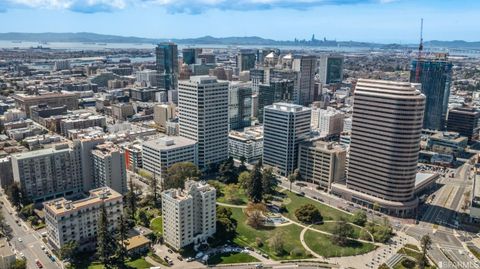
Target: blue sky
(359, 20)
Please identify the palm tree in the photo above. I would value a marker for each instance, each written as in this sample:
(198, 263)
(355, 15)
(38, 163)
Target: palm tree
(426, 243)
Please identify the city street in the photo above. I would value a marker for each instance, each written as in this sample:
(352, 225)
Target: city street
(439, 218)
(25, 240)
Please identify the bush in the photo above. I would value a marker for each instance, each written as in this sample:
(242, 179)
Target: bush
(407, 263)
(296, 252)
(259, 242)
(308, 214)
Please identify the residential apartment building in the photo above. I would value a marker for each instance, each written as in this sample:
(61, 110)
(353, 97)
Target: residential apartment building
(77, 221)
(329, 122)
(246, 144)
(81, 122)
(109, 167)
(49, 173)
(162, 113)
(189, 216)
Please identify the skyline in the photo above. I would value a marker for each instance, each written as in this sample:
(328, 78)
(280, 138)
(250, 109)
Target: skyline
(384, 21)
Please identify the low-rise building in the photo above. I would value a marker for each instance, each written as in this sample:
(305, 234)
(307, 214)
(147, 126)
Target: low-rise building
(322, 163)
(160, 153)
(475, 204)
(7, 257)
(81, 122)
(447, 143)
(78, 220)
(189, 216)
(247, 144)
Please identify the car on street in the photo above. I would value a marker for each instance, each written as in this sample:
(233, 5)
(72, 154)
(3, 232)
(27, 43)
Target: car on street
(38, 263)
(20, 239)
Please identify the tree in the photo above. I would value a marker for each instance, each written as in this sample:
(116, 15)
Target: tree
(276, 243)
(177, 174)
(68, 250)
(131, 201)
(19, 264)
(255, 189)
(359, 218)
(143, 218)
(230, 193)
(269, 182)
(226, 226)
(5, 229)
(228, 171)
(426, 243)
(14, 194)
(244, 180)
(106, 244)
(255, 219)
(242, 167)
(153, 187)
(308, 213)
(27, 211)
(341, 232)
(122, 239)
(295, 176)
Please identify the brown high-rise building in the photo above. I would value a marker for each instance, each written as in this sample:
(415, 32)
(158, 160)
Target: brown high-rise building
(385, 142)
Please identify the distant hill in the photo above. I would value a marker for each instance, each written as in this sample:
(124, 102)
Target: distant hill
(247, 40)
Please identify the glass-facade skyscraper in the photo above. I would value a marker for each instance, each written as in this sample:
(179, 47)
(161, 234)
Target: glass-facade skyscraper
(167, 63)
(435, 75)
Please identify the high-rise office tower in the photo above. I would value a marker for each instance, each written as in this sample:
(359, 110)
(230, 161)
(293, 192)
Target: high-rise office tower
(330, 68)
(305, 65)
(190, 55)
(239, 105)
(203, 117)
(435, 75)
(385, 142)
(284, 127)
(167, 63)
(465, 121)
(276, 91)
(246, 60)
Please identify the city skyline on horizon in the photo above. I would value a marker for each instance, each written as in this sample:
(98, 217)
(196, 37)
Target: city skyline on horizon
(381, 21)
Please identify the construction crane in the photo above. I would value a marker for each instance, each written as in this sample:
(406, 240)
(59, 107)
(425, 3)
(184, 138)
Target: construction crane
(419, 57)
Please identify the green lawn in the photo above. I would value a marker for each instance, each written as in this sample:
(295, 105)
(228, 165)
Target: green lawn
(322, 245)
(294, 201)
(240, 195)
(228, 258)
(246, 236)
(330, 226)
(135, 264)
(157, 225)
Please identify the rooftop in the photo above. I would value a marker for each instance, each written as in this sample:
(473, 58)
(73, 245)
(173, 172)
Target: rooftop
(136, 241)
(169, 142)
(62, 205)
(288, 107)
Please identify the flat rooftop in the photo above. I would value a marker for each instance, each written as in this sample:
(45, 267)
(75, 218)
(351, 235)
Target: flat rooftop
(62, 205)
(169, 142)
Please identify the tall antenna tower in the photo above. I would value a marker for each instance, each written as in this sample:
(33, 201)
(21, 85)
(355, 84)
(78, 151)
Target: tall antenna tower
(419, 57)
